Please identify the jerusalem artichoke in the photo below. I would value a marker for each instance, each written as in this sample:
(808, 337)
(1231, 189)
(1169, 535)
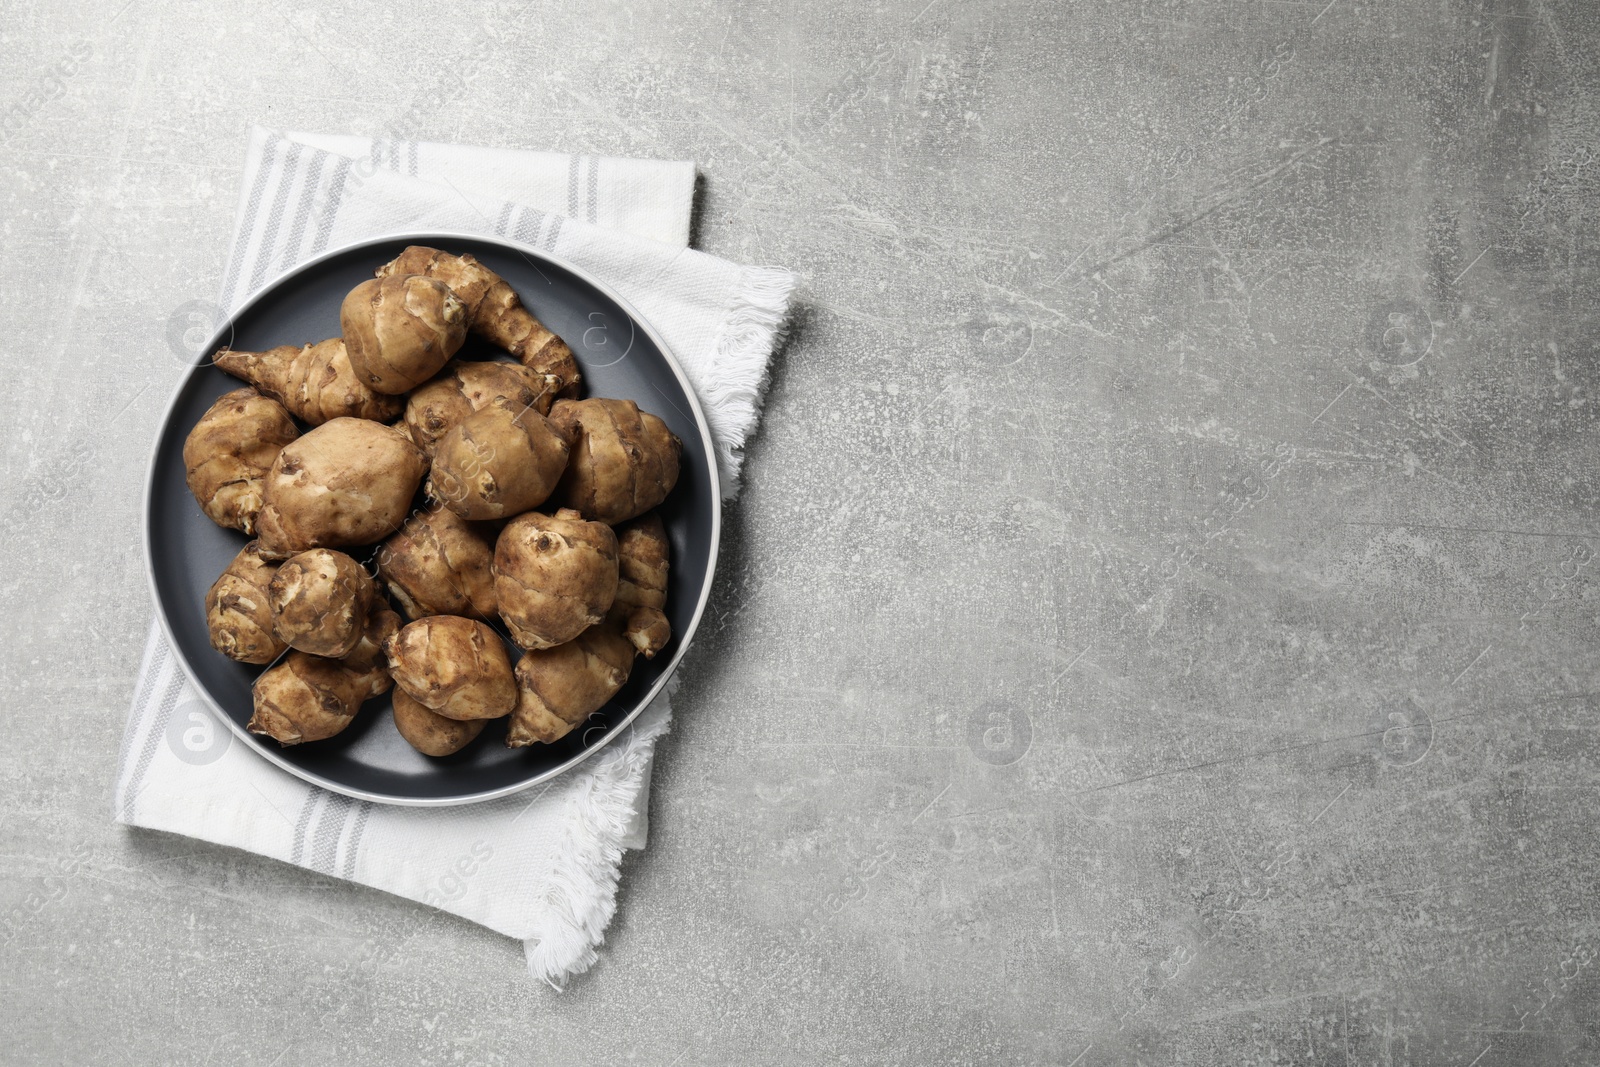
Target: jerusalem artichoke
(642, 564)
(400, 330)
(557, 688)
(494, 311)
(497, 462)
(320, 602)
(305, 698)
(227, 455)
(239, 610)
(314, 382)
(346, 482)
(440, 564)
(454, 666)
(464, 387)
(555, 575)
(429, 732)
(367, 661)
(624, 461)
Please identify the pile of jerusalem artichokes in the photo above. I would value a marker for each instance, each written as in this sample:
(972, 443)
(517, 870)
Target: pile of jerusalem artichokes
(536, 526)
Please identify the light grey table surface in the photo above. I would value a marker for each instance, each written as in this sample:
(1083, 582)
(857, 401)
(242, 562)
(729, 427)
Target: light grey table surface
(1160, 624)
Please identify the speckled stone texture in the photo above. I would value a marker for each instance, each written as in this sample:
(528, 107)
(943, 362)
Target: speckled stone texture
(1160, 624)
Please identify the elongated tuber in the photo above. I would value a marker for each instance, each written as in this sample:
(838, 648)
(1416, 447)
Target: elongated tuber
(314, 382)
(429, 732)
(440, 564)
(227, 455)
(239, 610)
(624, 461)
(494, 311)
(642, 565)
(305, 698)
(400, 330)
(555, 575)
(498, 462)
(557, 688)
(320, 602)
(346, 482)
(464, 387)
(454, 666)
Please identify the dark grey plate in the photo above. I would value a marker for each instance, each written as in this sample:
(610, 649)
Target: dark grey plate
(621, 357)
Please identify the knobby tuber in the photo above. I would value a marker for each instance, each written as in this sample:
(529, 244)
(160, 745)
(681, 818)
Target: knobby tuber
(453, 666)
(314, 382)
(440, 564)
(367, 661)
(557, 688)
(497, 462)
(494, 311)
(642, 565)
(320, 602)
(555, 575)
(305, 698)
(239, 610)
(399, 330)
(227, 455)
(624, 461)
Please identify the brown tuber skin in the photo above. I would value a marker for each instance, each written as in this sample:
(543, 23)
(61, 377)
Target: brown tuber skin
(227, 455)
(642, 564)
(429, 732)
(555, 576)
(464, 387)
(440, 564)
(314, 382)
(239, 610)
(624, 461)
(453, 666)
(494, 311)
(400, 330)
(498, 462)
(320, 602)
(347, 482)
(557, 688)
(305, 698)
(367, 661)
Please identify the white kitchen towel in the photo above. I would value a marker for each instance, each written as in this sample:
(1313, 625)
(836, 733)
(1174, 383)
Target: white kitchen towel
(541, 866)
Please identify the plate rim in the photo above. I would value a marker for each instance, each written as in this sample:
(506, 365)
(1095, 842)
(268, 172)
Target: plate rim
(434, 238)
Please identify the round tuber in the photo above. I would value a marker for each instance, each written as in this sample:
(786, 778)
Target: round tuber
(227, 455)
(440, 564)
(400, 330)
(239, 610)
(305, 698)
(320, 602)
(346, 482)
(454, 666)
(429, 732)
(624, 461)
(555, 576)
(497, 462)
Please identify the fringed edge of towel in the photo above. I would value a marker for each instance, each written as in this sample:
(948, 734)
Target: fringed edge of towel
(753, 331)
(581, 897)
